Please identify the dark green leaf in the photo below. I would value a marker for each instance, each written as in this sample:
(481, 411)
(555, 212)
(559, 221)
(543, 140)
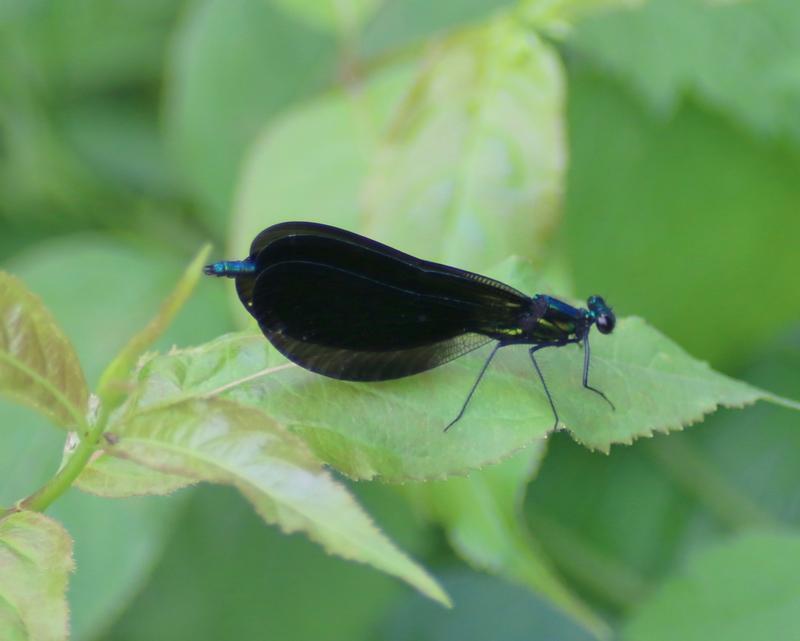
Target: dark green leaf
(688, 223)
(482, 515)
(226, 576)
(235, 64)
(740, 590)
(117, 545)
(486, 608)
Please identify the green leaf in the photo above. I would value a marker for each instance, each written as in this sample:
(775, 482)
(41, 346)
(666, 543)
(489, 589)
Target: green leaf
(741, 58)
(112, 477)
(256, 583)
(394, 428)
(119, 369)
(482, 515)
(616, 533)
(634, 194)
(98, 129)
(235, 65)
(340, 16)
(472, 169)
(35, 561)
(650, 505)
(558, 16)
(739, 590)
(30, 450)
(119, 541)
(38, 366)
(396, 25)
(119, 286)
(762, 464)
(223, 442)
(342, 128)
(92, 269)
(80, 45)
(486, 608)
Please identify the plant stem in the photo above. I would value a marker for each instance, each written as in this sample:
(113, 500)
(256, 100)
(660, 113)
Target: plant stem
(41, 499)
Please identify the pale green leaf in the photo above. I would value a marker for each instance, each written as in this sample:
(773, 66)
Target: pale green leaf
(223, 442)
(119, 541)
(35, 561)
(38, 365)
(739, 590)
(472, 168)
(740, 58)
(88, 268)
(482, 515)
(13, 627)
(113, 477)
(395, 429)
(342, 128)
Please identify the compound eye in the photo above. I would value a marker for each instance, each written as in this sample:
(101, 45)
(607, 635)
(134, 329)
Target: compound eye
(606, 323)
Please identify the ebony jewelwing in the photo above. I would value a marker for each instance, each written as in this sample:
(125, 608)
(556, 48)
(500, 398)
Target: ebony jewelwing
(348, 307)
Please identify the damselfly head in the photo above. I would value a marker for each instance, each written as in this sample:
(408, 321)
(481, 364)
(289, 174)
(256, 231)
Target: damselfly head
(601, 314)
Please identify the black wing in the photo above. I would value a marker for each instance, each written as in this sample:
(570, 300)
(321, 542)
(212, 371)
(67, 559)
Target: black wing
(348, 307)
(359, 365)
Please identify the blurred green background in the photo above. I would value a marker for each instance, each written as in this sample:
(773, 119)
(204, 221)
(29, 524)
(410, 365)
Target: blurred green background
(133, 131)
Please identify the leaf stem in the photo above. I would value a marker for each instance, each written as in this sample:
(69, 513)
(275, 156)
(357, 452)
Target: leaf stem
(782, 401)
(90, 432)
(119, 369)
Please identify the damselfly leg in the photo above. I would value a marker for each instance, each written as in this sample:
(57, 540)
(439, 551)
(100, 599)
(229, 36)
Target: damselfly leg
(586, 358)
(474, 386)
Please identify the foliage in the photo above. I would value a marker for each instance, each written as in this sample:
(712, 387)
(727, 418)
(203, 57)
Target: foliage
(752, 576)
(35, 559)
(641, 150)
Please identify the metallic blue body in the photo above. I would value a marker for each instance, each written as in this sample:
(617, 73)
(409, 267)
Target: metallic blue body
(230, 268)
